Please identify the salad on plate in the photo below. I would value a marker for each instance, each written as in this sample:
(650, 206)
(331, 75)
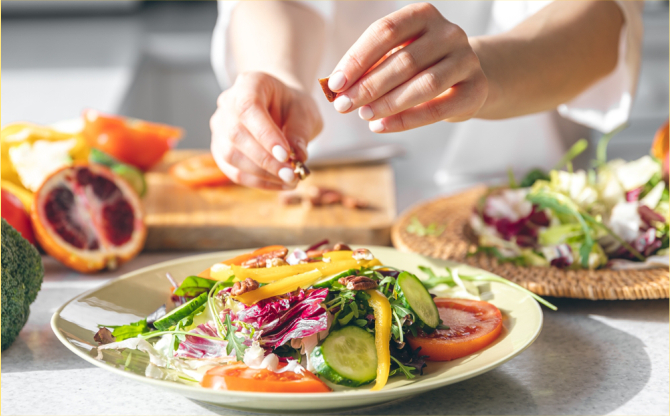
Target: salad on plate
(613, 215)
(275, 320)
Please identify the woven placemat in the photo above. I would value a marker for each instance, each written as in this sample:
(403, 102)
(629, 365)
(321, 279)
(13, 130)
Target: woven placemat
(456, 242)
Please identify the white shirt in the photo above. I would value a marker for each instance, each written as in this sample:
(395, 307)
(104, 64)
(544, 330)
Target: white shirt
(476, 149)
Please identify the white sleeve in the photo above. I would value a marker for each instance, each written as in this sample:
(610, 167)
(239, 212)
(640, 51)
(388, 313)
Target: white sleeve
(607, 104)
(221, 53)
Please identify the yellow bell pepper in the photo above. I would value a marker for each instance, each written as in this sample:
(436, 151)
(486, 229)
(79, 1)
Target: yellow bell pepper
(339, 255)
(271, 274)
(281, 287)
(382, 309)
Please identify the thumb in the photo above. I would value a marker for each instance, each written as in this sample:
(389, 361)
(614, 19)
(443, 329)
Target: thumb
(301, 126)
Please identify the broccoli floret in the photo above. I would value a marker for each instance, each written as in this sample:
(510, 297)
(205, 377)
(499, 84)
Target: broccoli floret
(22, 274)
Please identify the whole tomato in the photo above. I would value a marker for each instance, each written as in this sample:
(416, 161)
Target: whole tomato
(135, 142)
(15, 213)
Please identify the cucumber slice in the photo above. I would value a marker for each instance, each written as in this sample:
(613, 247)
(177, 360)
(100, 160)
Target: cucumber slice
(177, 314)
(347, 357)
(416, 296)
(134, 176)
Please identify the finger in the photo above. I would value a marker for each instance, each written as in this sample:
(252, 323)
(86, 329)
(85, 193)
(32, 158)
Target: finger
(233, 157)
(423, 87)
(382, 36)
(394, 71)
(241, 138)
(300, 126)
(252, 112)
(458, 103)
(244, 178)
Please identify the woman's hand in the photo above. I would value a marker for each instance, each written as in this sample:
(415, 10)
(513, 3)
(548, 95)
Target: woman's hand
(436, 77)
(258, 123)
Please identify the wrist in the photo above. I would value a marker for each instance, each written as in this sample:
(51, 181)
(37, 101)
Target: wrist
(481, 45)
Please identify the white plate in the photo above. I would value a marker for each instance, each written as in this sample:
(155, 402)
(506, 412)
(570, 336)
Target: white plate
(134, 295)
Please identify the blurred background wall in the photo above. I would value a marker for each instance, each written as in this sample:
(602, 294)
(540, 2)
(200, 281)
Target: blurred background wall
(150, 59)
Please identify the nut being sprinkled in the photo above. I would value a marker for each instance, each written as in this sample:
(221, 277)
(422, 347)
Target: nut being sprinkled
(247, 285)
(300, 169)
(363, 254)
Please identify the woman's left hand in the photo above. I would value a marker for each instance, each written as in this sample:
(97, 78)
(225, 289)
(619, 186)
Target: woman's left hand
(436, 77)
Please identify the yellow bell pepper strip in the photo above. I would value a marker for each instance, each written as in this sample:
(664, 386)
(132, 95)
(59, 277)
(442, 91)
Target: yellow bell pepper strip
(271, 274)
(281, 287)
(383, 315)
(339, 255)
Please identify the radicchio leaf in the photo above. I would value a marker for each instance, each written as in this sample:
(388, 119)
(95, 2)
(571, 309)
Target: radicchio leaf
(295, 315)
(197, 347)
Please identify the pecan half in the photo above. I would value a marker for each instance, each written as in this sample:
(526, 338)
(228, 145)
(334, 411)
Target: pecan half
(357, 282)
(341, 247)
(261, 261)
(247, 285)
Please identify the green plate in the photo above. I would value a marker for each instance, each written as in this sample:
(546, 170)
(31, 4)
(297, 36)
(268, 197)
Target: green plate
(135, 295)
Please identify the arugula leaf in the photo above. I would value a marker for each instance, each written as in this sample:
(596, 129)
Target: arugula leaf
(574, 151)
(407, 371)
(234, 342)
(121, 332)
(512, 180)
(532, 177)
(194, 285)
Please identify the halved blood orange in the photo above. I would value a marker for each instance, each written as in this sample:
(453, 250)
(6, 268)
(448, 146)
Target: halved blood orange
(473, 324)
(88, 218)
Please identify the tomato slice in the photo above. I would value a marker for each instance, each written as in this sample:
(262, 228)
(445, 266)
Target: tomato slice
(136, 142)
(197, 171)
(473, 325)
(239, 377)
(14, 212)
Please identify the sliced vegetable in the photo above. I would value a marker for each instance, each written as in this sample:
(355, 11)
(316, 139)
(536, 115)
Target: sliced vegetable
(271, 274)
(347, 357)
(338, 255)
(130, 173)
(221, 268)
(136, 142)
(239, 377)
(472, 325)
(416, 297)
(194, 286)
(199, 171)
(281, 287)
(174, 316)
(383, 316)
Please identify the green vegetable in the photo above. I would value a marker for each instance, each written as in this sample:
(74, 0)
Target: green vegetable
(574, 151)
(234, 342)
(434, 280)
(194, 286)
(415, 227)
(415, 296)
(22, 274)
(533, 176)
(131, 174)
(121, 332)
(174, 316)
(347, 357)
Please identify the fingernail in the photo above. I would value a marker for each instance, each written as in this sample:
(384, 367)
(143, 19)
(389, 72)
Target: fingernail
(286, 175)
(376, 126)
(337, 81)
(365, 112)
(279, 153)
(342, 103)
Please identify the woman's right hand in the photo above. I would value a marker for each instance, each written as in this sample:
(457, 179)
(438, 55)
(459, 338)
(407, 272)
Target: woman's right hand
(258, 122)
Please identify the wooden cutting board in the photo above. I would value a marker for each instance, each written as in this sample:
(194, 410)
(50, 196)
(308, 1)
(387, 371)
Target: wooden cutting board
(181, 218)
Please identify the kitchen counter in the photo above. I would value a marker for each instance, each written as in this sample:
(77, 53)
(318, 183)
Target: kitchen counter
(607, 357)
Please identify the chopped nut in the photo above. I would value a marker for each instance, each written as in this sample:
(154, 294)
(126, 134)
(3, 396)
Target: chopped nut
(290, 197)
(357, 282)
(330, 95)
(353, 203)
(261, 261)
(247, 285)
(363, 254)
(275, 262)
(300, 169)
(103, 336)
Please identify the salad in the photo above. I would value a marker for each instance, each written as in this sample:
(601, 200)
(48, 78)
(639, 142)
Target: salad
(612, 215)
(275, 320)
